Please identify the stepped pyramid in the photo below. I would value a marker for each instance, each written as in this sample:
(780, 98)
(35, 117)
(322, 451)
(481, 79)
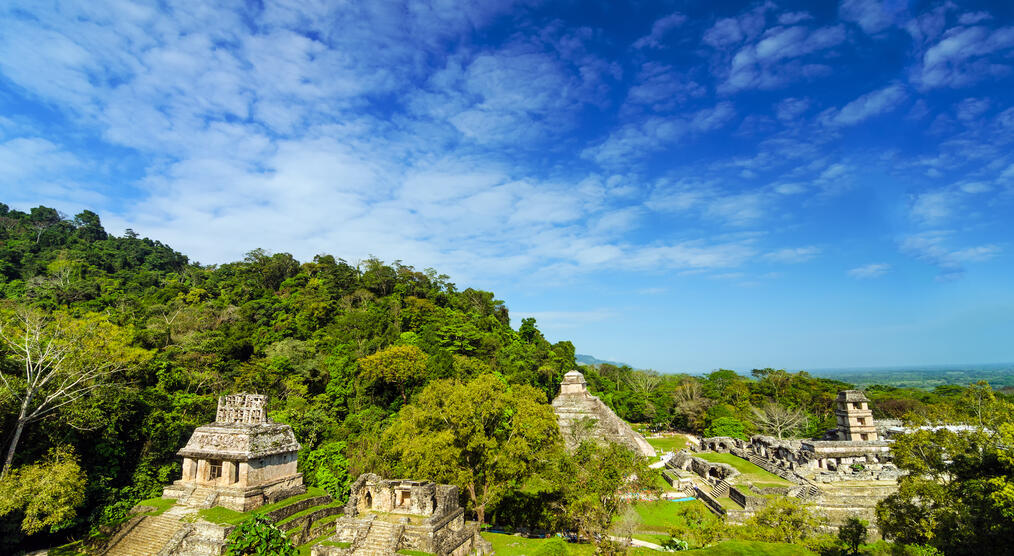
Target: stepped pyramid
(582, 415)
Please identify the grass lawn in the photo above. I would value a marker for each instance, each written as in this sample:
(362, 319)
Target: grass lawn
(659, 516)
(160, 504)
(752, 548)
(225, 516)
(749, 472)
(513, 545)
(309, 510)
(668, 443)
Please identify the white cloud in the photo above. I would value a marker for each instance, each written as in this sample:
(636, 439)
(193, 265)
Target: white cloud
(662, 88)
(867, 271)
(936, 247)
(777, 58)
(791, 108)
(793, 254)
(650, 134)
(659, 29)
(963, 57)
(867, 106)
(970, 109)
(872, 15)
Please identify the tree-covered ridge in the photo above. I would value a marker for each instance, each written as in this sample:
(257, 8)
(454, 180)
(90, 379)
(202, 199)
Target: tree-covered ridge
(304, 333)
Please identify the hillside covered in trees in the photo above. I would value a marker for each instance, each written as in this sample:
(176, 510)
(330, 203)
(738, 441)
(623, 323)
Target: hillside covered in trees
(341, 349)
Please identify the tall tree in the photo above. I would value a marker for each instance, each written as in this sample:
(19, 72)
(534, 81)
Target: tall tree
(778, 420)
(62, 360)
(484, 436)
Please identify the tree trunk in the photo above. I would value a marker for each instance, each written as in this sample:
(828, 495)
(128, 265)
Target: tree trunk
(14, 444)
(22, 421)
(480, 511)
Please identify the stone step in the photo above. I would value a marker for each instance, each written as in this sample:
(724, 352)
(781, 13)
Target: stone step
(147, 537)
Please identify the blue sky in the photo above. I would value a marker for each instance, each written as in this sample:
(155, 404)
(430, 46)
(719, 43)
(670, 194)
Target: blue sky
(679, 185)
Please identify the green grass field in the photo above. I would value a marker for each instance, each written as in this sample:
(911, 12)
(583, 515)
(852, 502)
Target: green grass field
(160, 505)
(749, 472)
(513, 545)
(752, 548)
(658, 517)
(668, 443)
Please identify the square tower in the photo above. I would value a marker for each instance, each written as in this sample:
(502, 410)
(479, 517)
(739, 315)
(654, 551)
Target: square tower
(855, 418)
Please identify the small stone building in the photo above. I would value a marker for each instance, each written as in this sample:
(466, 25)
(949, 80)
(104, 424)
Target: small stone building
(581, 415)
(241, 461)
(855, 418)
(385, 516)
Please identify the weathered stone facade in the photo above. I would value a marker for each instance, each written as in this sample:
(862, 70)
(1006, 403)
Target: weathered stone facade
(582, 415)
(240, 461)
(385, 516)
(855, 418)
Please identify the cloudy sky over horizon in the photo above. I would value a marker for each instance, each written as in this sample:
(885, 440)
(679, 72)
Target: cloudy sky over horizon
(677, 185)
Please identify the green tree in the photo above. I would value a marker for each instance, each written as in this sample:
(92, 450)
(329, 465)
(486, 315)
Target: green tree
(328, 468)
(404, 367)
(957, 494)
(696, 526)
(852, 534)
(63, 360)
(257, 536)
(785, 520)
(599, 480)
(48, 493)
(486, 436)
(726, 426)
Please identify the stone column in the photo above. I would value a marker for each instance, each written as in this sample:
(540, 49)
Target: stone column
(243, 479)
(228, 473)
(189, 470)
(202, 471)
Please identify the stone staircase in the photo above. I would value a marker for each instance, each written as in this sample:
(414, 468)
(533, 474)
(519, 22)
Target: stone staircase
(149, 536)
(382, 539)
(808, 492)
(720, 489)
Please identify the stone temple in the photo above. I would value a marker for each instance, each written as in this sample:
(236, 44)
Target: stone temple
(582, 415)
(241, 461)
(855, 418)
(386, 516)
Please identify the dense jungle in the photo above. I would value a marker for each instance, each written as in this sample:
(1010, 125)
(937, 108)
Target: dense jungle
(359, 357)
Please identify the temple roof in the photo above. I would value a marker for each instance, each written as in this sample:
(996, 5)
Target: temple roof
(573, 377)
(239, 442)
(852, 396)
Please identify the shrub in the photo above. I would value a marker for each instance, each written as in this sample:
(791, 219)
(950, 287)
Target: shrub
(552, 547)
(257, 536)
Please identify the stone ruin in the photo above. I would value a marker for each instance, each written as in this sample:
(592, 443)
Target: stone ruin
(851, 452)
(845, 474)
(855, 418)
(581, 415)
(241, 461)
(385, 516)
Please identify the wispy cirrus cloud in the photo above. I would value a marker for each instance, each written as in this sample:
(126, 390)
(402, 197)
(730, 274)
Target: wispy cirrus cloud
(659, 29)
(867, 106)
(868, 271)
(936, 248)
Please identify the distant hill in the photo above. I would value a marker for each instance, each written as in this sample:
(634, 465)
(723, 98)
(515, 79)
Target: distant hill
(592, 360)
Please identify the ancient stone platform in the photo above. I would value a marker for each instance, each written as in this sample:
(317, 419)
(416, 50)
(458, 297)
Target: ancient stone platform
(583, 416)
